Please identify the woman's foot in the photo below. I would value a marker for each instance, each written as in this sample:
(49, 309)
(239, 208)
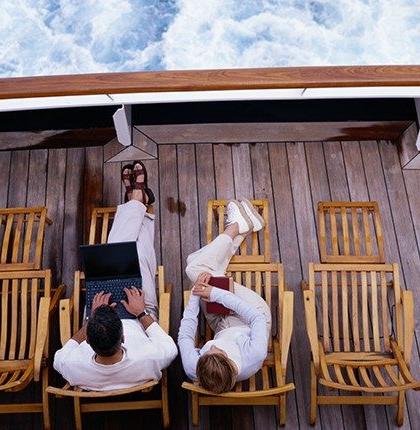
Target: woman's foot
(236, 214)
(127, 178)
(256, 219)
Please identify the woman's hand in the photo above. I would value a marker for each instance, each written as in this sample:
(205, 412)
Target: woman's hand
(203, 278)
(202, 290)
(201, 287)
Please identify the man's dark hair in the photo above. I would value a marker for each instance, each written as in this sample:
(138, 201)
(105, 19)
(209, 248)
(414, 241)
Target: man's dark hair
(104, 331)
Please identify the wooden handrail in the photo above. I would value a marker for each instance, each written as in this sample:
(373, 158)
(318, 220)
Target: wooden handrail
(210, 80)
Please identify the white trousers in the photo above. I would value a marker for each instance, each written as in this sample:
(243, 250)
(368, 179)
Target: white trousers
(214, 259)
(133, 223)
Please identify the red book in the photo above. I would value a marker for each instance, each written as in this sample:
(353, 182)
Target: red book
(224, 283)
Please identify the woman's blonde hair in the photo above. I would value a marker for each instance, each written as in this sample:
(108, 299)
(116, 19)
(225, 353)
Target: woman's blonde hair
(216, 373)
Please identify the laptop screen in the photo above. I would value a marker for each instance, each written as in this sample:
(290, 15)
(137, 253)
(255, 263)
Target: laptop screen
(109, 261)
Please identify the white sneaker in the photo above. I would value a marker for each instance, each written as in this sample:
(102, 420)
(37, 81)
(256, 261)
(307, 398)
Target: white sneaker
(256, 219)
(236, 213)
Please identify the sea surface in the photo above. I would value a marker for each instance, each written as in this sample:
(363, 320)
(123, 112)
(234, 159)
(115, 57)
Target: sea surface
(45, 37)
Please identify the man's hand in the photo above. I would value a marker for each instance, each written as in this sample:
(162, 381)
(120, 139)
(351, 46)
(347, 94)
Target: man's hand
(135, 301)
(100, 299)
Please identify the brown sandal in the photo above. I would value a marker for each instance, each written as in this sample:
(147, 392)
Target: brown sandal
(142, 185)
(129, 177)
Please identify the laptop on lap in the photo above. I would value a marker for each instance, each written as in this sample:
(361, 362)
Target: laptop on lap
(110, 268)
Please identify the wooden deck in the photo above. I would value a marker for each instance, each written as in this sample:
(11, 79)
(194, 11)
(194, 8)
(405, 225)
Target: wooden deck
(294, 177)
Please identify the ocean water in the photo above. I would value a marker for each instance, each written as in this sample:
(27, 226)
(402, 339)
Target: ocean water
(45, 37)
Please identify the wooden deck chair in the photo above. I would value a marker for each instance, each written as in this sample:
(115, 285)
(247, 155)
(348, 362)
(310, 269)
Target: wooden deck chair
(71, 311)
(268, 386)
(26, 305)
(350, 232)
(254, 250)
(358, 345)
(22, 237)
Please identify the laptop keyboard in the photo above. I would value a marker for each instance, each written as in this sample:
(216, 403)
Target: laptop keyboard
(116, 288)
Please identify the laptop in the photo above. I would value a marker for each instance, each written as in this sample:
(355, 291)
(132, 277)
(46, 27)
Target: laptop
(110, 268)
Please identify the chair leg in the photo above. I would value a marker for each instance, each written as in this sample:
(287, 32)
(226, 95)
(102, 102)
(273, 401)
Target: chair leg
(195, 409)
(77, 414)
(45, 400)
(282, 410)
(400, 408)
(313, 407)
(165, 402)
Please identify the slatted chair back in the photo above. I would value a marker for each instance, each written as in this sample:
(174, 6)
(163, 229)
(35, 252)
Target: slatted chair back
(350, 232)
(357, 306)
(22, 237)
(256, 248)
(21, 293)
(267, 280)
(101, 223)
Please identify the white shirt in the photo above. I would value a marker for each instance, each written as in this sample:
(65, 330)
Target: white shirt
(248, 345)
(145, 354)
(226, 340)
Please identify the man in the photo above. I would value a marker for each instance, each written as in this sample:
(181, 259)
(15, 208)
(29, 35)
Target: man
(109, 353)
(240, 341)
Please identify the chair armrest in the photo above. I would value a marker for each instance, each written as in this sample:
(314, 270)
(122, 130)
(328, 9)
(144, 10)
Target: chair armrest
(58, 293)
(165, 311)
(69, 391)
(41, 334)
(408, 323)
(65, 320)
(187, 295)
(311, 328)
(239, 395)
(286, 327)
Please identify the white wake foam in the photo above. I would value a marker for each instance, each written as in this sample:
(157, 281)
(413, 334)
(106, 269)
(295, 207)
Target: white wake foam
(44, 37)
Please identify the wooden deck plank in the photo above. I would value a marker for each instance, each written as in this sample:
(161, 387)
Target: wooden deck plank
(355, 172)
(93, 180)
(73, 215)
(353, 415)
(37, 178)
(289, 250)
(306, 229)
(377, 191)
(376, 417)
(18, 180)
(55, 200)
(206, 186)
(407, 245)
(5, 158)
(222, 417)
(171, 259)
(152, 167)
(243, 417)
(112, 194)
(188, 206)
(263, 189)
(331, 417)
